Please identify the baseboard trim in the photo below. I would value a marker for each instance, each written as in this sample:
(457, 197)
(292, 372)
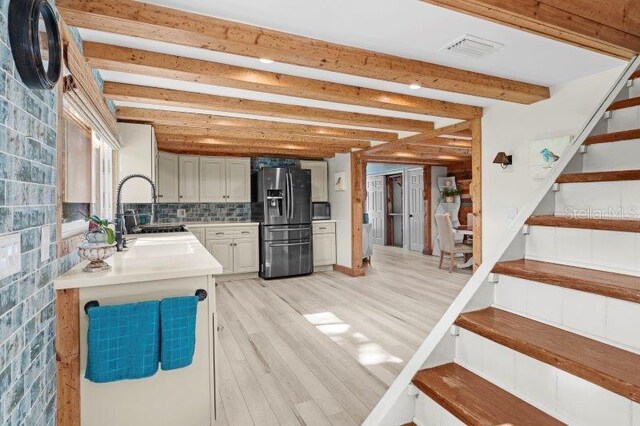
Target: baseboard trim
(352, 272)
(236, 277)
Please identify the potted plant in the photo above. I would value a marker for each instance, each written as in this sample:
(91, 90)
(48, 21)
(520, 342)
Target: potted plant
(449, 194)
(99, 231)
(98, 245)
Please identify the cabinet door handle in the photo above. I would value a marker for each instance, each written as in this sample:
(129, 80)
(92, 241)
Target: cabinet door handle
(322, 227)
(181, 196)
(246, 232)
(219, 233)
(160, 196)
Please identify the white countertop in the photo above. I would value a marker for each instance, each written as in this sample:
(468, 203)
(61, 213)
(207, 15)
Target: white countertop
(219, 224)
(148, 258)
(325, 221)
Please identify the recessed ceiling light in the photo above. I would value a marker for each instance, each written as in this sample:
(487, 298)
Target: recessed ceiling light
(266, 60)
(414, 86)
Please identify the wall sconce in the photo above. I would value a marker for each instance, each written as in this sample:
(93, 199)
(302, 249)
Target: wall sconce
(503, 159)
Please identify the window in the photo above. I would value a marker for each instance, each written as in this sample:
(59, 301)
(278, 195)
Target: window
(88, 177)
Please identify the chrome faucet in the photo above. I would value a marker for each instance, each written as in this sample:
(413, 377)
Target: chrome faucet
(120, 227)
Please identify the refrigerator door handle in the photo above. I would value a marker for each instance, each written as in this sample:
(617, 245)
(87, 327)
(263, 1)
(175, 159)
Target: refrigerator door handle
(291, 195)
(289, 244)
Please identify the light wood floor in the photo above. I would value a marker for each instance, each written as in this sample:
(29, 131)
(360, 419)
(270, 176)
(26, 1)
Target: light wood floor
(322, 349)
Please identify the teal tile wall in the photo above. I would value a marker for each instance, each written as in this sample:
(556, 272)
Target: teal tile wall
(27, 206)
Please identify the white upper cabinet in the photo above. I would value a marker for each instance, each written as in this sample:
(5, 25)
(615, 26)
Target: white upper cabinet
(167, 179)
(137, 155)
(212, 180)
(189, 180)
(238, 173)
(203, 179)
(319, 179)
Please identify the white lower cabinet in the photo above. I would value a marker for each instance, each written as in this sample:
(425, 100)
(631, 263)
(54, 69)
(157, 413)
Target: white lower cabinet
(324, 243)
(234, 246)
(222, 250)
(245, 255)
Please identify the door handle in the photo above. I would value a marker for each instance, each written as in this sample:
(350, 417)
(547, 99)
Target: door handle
(290, 244)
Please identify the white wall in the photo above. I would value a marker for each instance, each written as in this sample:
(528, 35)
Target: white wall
(341, 207)
(512, 127)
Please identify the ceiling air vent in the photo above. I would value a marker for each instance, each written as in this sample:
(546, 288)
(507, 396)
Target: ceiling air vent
(473, 47)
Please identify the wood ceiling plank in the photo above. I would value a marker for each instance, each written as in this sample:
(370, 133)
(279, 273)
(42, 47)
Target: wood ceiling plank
(605, 26)
(258, 136)
(186, 119)
(143, 62)
(178, 98)
(179, 27)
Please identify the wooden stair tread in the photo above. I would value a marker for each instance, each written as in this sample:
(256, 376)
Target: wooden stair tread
(475, 400)
(625, 103)
(619, 225)
(610, 176)
(625, 135)
(609, 284)
(635, 75)
(604, 365)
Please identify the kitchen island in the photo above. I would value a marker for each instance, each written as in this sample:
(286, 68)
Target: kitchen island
(154, 267)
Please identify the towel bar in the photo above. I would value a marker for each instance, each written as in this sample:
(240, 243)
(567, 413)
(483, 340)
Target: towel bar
(201, 293)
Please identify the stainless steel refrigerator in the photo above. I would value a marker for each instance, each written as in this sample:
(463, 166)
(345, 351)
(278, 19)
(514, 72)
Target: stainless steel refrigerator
(282, 205)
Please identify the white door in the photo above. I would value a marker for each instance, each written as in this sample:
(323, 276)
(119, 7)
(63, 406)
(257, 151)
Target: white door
(324, 249)
(212, 180)
(238, 172)
(189, 179)
(416, 210)
(167, 178)
(245, 255)
(375, 207)
(319, 179)
(222, 250)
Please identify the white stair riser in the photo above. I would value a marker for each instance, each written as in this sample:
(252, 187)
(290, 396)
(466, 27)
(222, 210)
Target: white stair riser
(634, 90)
(598, 317)
(559, 394)
(624, 119)
(601, 250)
(429, 413)
(604, 157)
(599, 199)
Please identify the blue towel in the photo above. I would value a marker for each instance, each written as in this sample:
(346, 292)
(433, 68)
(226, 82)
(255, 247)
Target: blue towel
(178, 331)
(123, 342)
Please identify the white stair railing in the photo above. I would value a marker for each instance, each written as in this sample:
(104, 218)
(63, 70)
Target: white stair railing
(399, 388)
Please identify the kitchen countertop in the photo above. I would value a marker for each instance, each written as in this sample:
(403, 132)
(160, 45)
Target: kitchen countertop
(148, 258)
(224, 224)
(325, 221)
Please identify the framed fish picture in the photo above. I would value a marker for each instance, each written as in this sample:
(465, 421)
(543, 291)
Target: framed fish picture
(545, 153)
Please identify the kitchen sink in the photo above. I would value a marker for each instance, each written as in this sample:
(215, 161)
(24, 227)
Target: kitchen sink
(161, 228)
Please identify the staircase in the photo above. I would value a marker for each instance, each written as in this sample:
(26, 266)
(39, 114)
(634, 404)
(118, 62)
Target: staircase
(548, 330)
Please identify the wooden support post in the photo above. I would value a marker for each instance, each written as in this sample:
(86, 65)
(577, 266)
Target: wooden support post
(476, 189)
(427, 247)
(357, 211)
(68, 357)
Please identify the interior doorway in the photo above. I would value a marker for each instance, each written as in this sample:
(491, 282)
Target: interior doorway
(417, 201)
(394, 210)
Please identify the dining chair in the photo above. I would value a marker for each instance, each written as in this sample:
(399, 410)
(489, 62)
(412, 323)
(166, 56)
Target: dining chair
(447, 241)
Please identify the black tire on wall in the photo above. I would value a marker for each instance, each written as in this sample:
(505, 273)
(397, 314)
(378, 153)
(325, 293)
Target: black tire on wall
(24, 16)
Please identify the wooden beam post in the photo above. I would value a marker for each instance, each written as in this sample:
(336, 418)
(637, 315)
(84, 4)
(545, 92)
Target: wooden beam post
(476, 190)
(357, 211)
(68, 357)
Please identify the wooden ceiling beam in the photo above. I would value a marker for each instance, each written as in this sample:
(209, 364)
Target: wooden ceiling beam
(420, 138)
(248, 143)
(257, 136)
(442, 141)
(179, 27)
(187, 119)
(421, 156)
(178, 98)
(611, 27)
(143, 62)
(202, 149)
(398, 160)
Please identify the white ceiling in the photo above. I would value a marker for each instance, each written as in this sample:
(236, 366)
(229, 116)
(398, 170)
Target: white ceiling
(407, 28)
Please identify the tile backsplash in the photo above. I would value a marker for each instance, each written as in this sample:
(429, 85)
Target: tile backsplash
(195, 212)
